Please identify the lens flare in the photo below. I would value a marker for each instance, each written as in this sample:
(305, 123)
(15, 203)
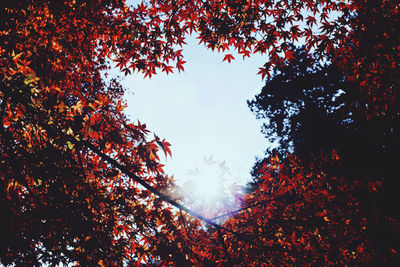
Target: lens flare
(210, 189)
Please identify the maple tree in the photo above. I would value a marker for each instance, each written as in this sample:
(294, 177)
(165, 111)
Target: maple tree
(82, 184)
(61, 200)
(303, 215)
(346, 158)
(311, 108)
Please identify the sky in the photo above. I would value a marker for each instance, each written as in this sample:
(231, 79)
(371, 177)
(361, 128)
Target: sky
(202, 111)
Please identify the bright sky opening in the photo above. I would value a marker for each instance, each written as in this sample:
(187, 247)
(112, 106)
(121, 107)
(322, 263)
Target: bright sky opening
(203, 112)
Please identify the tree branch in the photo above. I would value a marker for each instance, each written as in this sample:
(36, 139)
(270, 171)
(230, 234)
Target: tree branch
(137, 179)
(238, 210)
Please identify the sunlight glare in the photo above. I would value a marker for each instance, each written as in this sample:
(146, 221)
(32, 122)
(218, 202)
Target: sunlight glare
(209, 188)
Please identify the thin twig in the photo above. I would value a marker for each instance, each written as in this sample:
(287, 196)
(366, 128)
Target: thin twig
(238, 210)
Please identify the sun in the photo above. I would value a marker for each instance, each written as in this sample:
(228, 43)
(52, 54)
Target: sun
(209, 188)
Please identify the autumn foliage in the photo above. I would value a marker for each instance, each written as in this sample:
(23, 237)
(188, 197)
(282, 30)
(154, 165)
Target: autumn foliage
(304, 215)
(81, 184)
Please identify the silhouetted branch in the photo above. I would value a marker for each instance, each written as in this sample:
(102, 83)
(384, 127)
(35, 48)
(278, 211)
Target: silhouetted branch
(238, 210)
(137, 179)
